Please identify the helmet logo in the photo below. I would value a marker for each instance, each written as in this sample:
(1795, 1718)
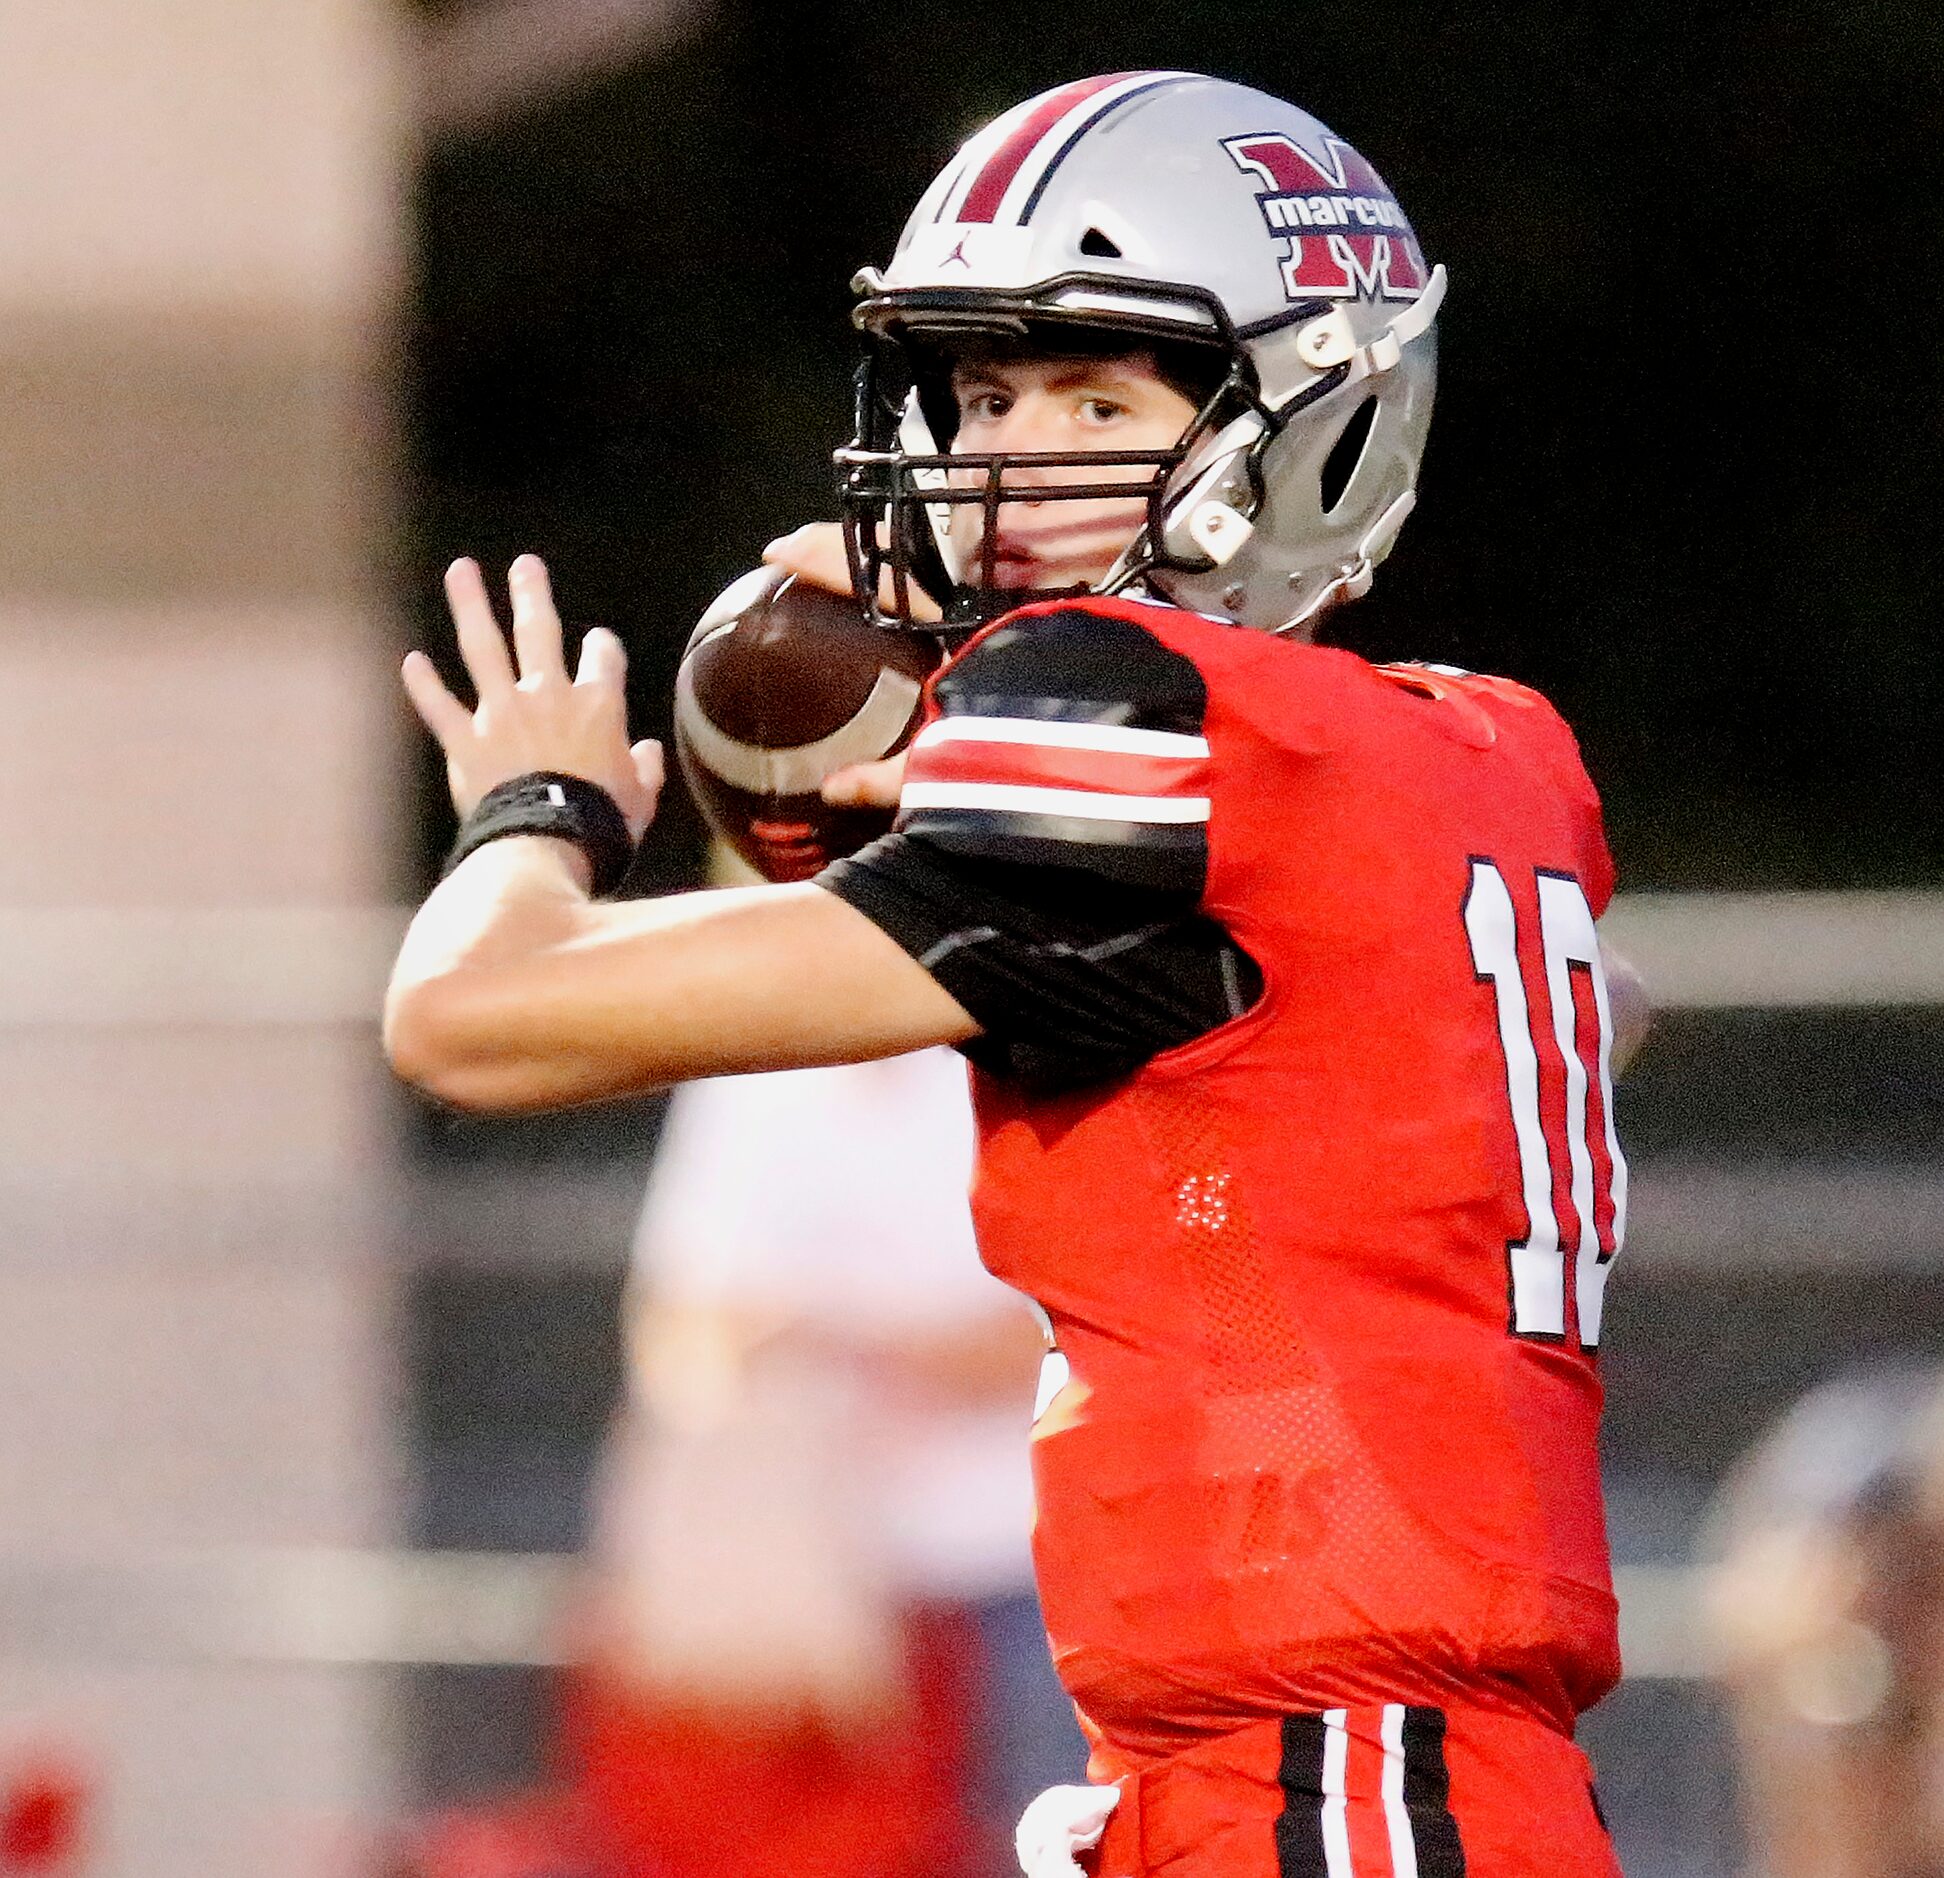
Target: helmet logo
(1347, 237)
(962, 254)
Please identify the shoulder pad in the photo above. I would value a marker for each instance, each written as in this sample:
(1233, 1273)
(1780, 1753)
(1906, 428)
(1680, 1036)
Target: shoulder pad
(1072, 738)
(1073, 663)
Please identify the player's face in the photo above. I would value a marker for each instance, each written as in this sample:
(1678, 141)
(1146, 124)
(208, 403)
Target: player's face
(1017, 406)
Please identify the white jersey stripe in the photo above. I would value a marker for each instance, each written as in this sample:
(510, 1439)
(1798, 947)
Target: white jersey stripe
(1055, 734)
(1336, 1805)
(1082, 804)
(1397, 1816)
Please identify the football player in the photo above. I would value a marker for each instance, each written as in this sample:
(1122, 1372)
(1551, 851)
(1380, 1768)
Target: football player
(1827, 1617)
(1279, 972)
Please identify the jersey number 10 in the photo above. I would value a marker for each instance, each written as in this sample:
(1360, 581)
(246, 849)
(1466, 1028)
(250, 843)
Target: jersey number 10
(1557, 1150)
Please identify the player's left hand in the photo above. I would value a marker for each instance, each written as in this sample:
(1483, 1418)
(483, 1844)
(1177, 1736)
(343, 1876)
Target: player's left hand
(534, 718)
(815, 554)
(866, 785)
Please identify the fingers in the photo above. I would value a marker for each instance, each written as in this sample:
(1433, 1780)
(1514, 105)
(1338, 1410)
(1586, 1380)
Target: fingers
(814, 553)
(532, 720)
(920, 607)
(442, 714)
(603, 659)
(646, 757)
(866, 785)
(481, 644)
(536, 622)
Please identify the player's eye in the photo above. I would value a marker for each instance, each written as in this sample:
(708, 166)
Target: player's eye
(1097, 410)
(983, 407)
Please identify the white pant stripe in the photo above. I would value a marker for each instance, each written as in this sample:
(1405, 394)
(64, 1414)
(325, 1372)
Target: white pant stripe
(1397, 1818)
(1336, 1824)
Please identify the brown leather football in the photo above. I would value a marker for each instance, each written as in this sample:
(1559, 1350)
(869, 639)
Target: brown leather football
(781, 684)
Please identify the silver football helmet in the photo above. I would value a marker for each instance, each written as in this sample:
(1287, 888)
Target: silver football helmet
(1236, 236)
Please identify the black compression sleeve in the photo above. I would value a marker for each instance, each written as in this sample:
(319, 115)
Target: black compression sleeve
(1073, 980)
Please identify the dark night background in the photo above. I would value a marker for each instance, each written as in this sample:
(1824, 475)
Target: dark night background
(1682, 478)
(1688, 440)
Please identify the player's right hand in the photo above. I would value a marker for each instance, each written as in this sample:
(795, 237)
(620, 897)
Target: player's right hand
(866, 785)
(533, 717)
(814, 553)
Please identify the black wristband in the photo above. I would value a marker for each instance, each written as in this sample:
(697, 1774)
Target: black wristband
(549, 802)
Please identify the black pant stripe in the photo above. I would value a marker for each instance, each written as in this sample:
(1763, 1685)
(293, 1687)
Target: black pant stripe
(1427, 1795)
(1299, 1828)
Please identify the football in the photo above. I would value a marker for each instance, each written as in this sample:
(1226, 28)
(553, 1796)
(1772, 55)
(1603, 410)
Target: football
(781, 684)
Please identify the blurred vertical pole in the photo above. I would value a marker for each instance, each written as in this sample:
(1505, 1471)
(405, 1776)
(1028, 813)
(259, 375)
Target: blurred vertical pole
(198, 234)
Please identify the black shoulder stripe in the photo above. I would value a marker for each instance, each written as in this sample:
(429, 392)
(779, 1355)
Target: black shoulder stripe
(1169, 857)
(1076, 666)
(1068, 739)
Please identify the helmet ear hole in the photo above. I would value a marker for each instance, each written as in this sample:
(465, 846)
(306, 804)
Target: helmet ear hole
(1340, 466)
(1100, 244)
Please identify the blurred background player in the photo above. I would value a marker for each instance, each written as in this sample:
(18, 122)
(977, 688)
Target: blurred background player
(46, 1797)
(1828, 1616)
(820, 1648)
(808, 1641)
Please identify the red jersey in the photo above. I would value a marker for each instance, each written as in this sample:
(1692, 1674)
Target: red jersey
(1324, 1283)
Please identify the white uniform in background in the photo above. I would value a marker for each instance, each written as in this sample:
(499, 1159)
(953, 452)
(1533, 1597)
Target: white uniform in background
(780, 1503)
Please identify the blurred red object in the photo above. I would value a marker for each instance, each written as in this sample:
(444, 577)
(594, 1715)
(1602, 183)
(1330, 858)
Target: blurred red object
(652, 1793)
(43, 1809)
(534, 1836)
(691, 1795)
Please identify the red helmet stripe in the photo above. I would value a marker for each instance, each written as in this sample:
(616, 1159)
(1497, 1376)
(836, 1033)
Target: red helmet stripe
(989, 187)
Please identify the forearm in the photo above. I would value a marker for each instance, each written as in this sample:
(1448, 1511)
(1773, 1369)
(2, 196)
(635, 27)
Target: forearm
(514, 991)
(505, 900)
(488, 925)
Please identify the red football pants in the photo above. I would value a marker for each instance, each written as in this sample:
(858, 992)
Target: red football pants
(1387, 1791)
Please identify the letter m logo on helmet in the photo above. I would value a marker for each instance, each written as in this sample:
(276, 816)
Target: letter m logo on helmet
(1347, 237)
